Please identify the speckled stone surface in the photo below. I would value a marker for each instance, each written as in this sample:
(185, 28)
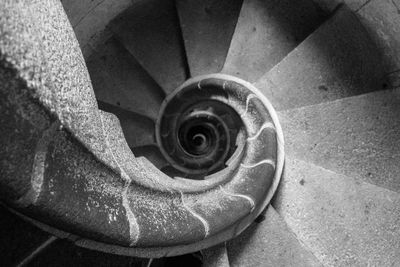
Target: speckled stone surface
(357, 136)
(343, 221)
(45, 52)
(81, 176)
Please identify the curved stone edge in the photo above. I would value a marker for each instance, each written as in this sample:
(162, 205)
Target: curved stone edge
(47, 81)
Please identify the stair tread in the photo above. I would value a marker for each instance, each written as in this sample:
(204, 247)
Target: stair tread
(266, 32)
(17, 238)
(119, 80)
(207, 28)
(150, 31)
(338, 60)
(344, 221)
(269, 243)
(152, 154)
(138, 130)
(216, 256)
(356, 136)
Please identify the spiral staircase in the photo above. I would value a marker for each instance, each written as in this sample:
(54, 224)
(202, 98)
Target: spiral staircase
(191, 83)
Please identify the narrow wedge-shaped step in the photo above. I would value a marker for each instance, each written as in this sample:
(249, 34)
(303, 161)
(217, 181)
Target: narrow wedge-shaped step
(337, 60)
(269, 242)
(215, 256)
(344, 221)
(138, 130)
(357, 136)
(119, 80)
(207, 28)
(151, 32)
(152, 154)
(18, 239)
(266, 32)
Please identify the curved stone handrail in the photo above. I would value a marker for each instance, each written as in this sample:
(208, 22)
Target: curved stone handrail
(66, 165)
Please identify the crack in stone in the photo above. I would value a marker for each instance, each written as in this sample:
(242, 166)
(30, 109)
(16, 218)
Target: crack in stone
(134, 230)
(201, 219)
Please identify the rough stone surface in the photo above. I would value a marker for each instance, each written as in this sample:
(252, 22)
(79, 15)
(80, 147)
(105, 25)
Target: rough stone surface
(19, 136)
(331, 63)
(343, 221)
(69, 187)
(150, 31)
(266, 32)
(119, 80)
(269, 242)
(80, 195)
(207, 28)
(357, 136)
(44, 52)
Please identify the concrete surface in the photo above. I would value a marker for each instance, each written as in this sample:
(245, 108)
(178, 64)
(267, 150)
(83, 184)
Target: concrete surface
(266, 32)
(207, 28)
(343, 221)
(356, 136)
(330, 64)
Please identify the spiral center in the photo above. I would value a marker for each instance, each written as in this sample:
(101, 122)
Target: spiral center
(199, 137)
(197, 130)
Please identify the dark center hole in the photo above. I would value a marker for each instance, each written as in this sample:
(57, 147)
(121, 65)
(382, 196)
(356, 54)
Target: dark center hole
(198, 139)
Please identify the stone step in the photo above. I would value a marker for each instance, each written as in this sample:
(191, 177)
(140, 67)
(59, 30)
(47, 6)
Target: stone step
(266, 32)
(343, 221)
(215, 256)
(269, 242)
(356, 136)
(382, 19)
(150, 31)
(338, 60)
(119, 80)
(138, 130)
(151, 153)
(207, 28)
